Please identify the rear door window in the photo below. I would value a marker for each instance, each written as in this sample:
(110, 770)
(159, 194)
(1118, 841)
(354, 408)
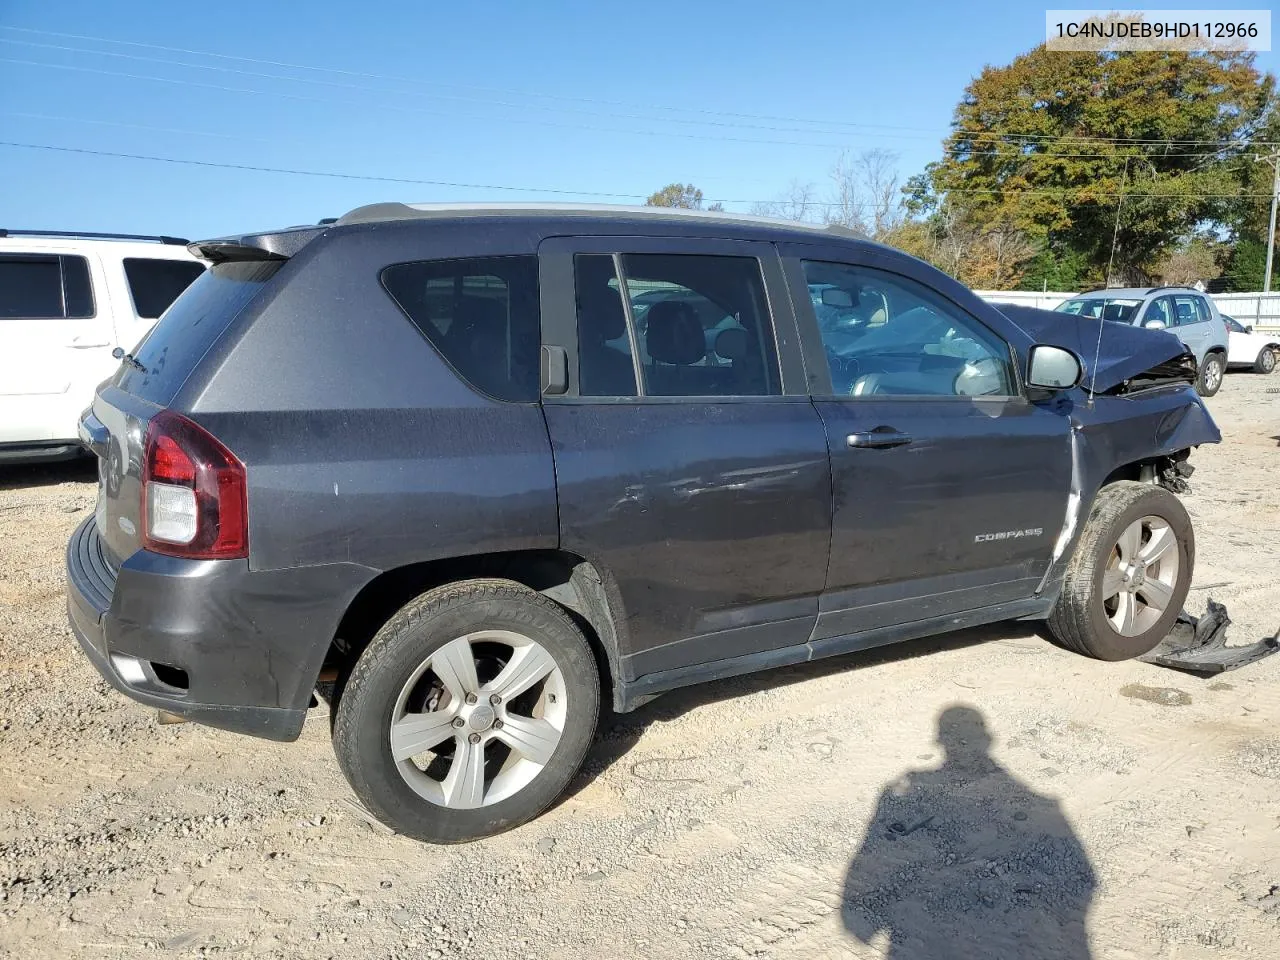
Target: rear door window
(155, 284)
(42, 286)
(1187, 310)
(702, 326)
(481, 314)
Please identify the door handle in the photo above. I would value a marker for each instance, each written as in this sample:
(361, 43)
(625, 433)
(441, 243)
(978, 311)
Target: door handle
(879, 437)
(77, 344)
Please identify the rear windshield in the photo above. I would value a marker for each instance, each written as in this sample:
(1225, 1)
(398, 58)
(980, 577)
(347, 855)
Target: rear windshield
(154, 284)
(1120, 311)
(190, 326)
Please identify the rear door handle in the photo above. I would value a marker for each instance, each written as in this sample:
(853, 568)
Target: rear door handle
(879, 437)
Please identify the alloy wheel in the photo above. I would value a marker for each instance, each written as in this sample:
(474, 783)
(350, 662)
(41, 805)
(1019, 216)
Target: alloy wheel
(479, 719)
(1140, 577)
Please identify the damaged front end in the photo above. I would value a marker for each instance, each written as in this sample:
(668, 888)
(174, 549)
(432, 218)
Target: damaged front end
(1118, 359)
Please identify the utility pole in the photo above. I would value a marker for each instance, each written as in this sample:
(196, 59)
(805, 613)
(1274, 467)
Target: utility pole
(1274, 160)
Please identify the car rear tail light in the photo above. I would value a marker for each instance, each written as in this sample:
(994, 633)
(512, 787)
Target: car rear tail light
(193, 493)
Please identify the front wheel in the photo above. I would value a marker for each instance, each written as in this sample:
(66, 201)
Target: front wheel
(469, 712)
(1129, 576)
(1266, 361)
(1211, 372)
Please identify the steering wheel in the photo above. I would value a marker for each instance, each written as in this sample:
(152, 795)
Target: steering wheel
(978, 378)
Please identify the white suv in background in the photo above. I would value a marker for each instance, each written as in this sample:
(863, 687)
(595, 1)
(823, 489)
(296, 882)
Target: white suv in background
(66, 302)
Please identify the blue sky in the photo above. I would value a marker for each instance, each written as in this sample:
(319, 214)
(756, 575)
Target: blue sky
(585, 98)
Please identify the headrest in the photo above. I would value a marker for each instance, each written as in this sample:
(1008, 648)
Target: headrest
(674, 334)
(604, 306)
(732, 344)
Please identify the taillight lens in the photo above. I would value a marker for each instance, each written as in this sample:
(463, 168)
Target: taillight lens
(193, 493)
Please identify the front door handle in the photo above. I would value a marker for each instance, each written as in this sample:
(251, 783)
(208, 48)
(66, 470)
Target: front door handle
(879, 437)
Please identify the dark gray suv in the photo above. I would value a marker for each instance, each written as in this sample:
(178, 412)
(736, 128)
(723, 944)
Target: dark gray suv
(471, 471)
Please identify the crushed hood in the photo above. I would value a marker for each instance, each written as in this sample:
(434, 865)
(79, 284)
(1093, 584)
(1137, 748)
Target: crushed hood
(1126, 352)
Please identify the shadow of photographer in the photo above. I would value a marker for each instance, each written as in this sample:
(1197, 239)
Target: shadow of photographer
(966, 861)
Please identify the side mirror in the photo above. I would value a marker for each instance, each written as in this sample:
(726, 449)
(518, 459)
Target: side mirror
(1249, 328)
(1053, 368)
(1154, 324)
(834, 297)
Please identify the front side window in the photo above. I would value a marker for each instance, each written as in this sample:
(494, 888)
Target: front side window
(42, 286)
(154, 284)
(1159, 310)
(890, 336)
(481, 314)
(1233, 325)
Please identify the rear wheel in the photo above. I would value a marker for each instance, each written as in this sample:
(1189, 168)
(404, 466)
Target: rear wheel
(1266, 361)
(469, 712)
(1129, 576)
(1211, 372)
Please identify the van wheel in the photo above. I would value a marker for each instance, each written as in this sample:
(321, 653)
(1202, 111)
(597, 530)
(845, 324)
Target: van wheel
(1211, 372)
(1129, 576)
(1266, 361)
(469, 712)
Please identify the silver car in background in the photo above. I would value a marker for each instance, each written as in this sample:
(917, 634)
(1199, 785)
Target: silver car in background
(1184, 311)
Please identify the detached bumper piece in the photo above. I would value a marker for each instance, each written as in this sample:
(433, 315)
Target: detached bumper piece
(1199, 645)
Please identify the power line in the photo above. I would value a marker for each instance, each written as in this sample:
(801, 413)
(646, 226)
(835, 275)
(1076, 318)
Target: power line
(132, 126)
(1080, 138)
(399, 108)
(433, 96)
(259, 168)
(458, 86)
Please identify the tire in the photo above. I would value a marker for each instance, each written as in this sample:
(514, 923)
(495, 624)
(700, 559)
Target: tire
(1266, 361)
(1084, 619)
(512, 764)
(1211, 372)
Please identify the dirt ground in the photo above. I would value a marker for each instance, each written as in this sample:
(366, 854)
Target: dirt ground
(983, 795)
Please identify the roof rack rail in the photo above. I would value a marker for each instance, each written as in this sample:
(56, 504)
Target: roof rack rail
(1171, 286)
(77, 234)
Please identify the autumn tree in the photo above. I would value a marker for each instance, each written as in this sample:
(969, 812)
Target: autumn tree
(1069, 150)
(684, 195)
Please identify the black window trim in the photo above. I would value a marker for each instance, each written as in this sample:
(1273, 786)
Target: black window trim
(819, 254)
(559, 309)
(40, 256)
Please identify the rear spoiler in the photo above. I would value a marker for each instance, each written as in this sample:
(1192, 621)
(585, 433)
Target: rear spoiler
(276, 245)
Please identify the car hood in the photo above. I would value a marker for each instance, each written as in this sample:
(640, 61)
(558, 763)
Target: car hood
(1122, 353)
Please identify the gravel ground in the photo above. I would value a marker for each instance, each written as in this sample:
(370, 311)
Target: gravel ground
(984, 795)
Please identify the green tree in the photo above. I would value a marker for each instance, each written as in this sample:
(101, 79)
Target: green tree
(1049, 143)
(684, 195)
(1246, 265)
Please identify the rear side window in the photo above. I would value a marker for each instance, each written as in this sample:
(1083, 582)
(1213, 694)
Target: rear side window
(41, 286)
(154, 284)
(481, 314)
(191, 325)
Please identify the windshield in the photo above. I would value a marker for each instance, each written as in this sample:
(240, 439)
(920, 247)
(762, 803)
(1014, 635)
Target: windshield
(1115, 309)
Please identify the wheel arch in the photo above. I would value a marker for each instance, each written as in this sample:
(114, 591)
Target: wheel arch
(571, 581)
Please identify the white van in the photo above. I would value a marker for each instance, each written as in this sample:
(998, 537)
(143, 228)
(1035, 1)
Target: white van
(67, 300)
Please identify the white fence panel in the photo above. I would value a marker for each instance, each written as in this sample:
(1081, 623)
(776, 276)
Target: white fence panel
(1025, 298)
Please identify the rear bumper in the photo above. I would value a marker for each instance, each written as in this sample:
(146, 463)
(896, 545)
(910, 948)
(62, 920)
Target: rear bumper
(249, 643)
